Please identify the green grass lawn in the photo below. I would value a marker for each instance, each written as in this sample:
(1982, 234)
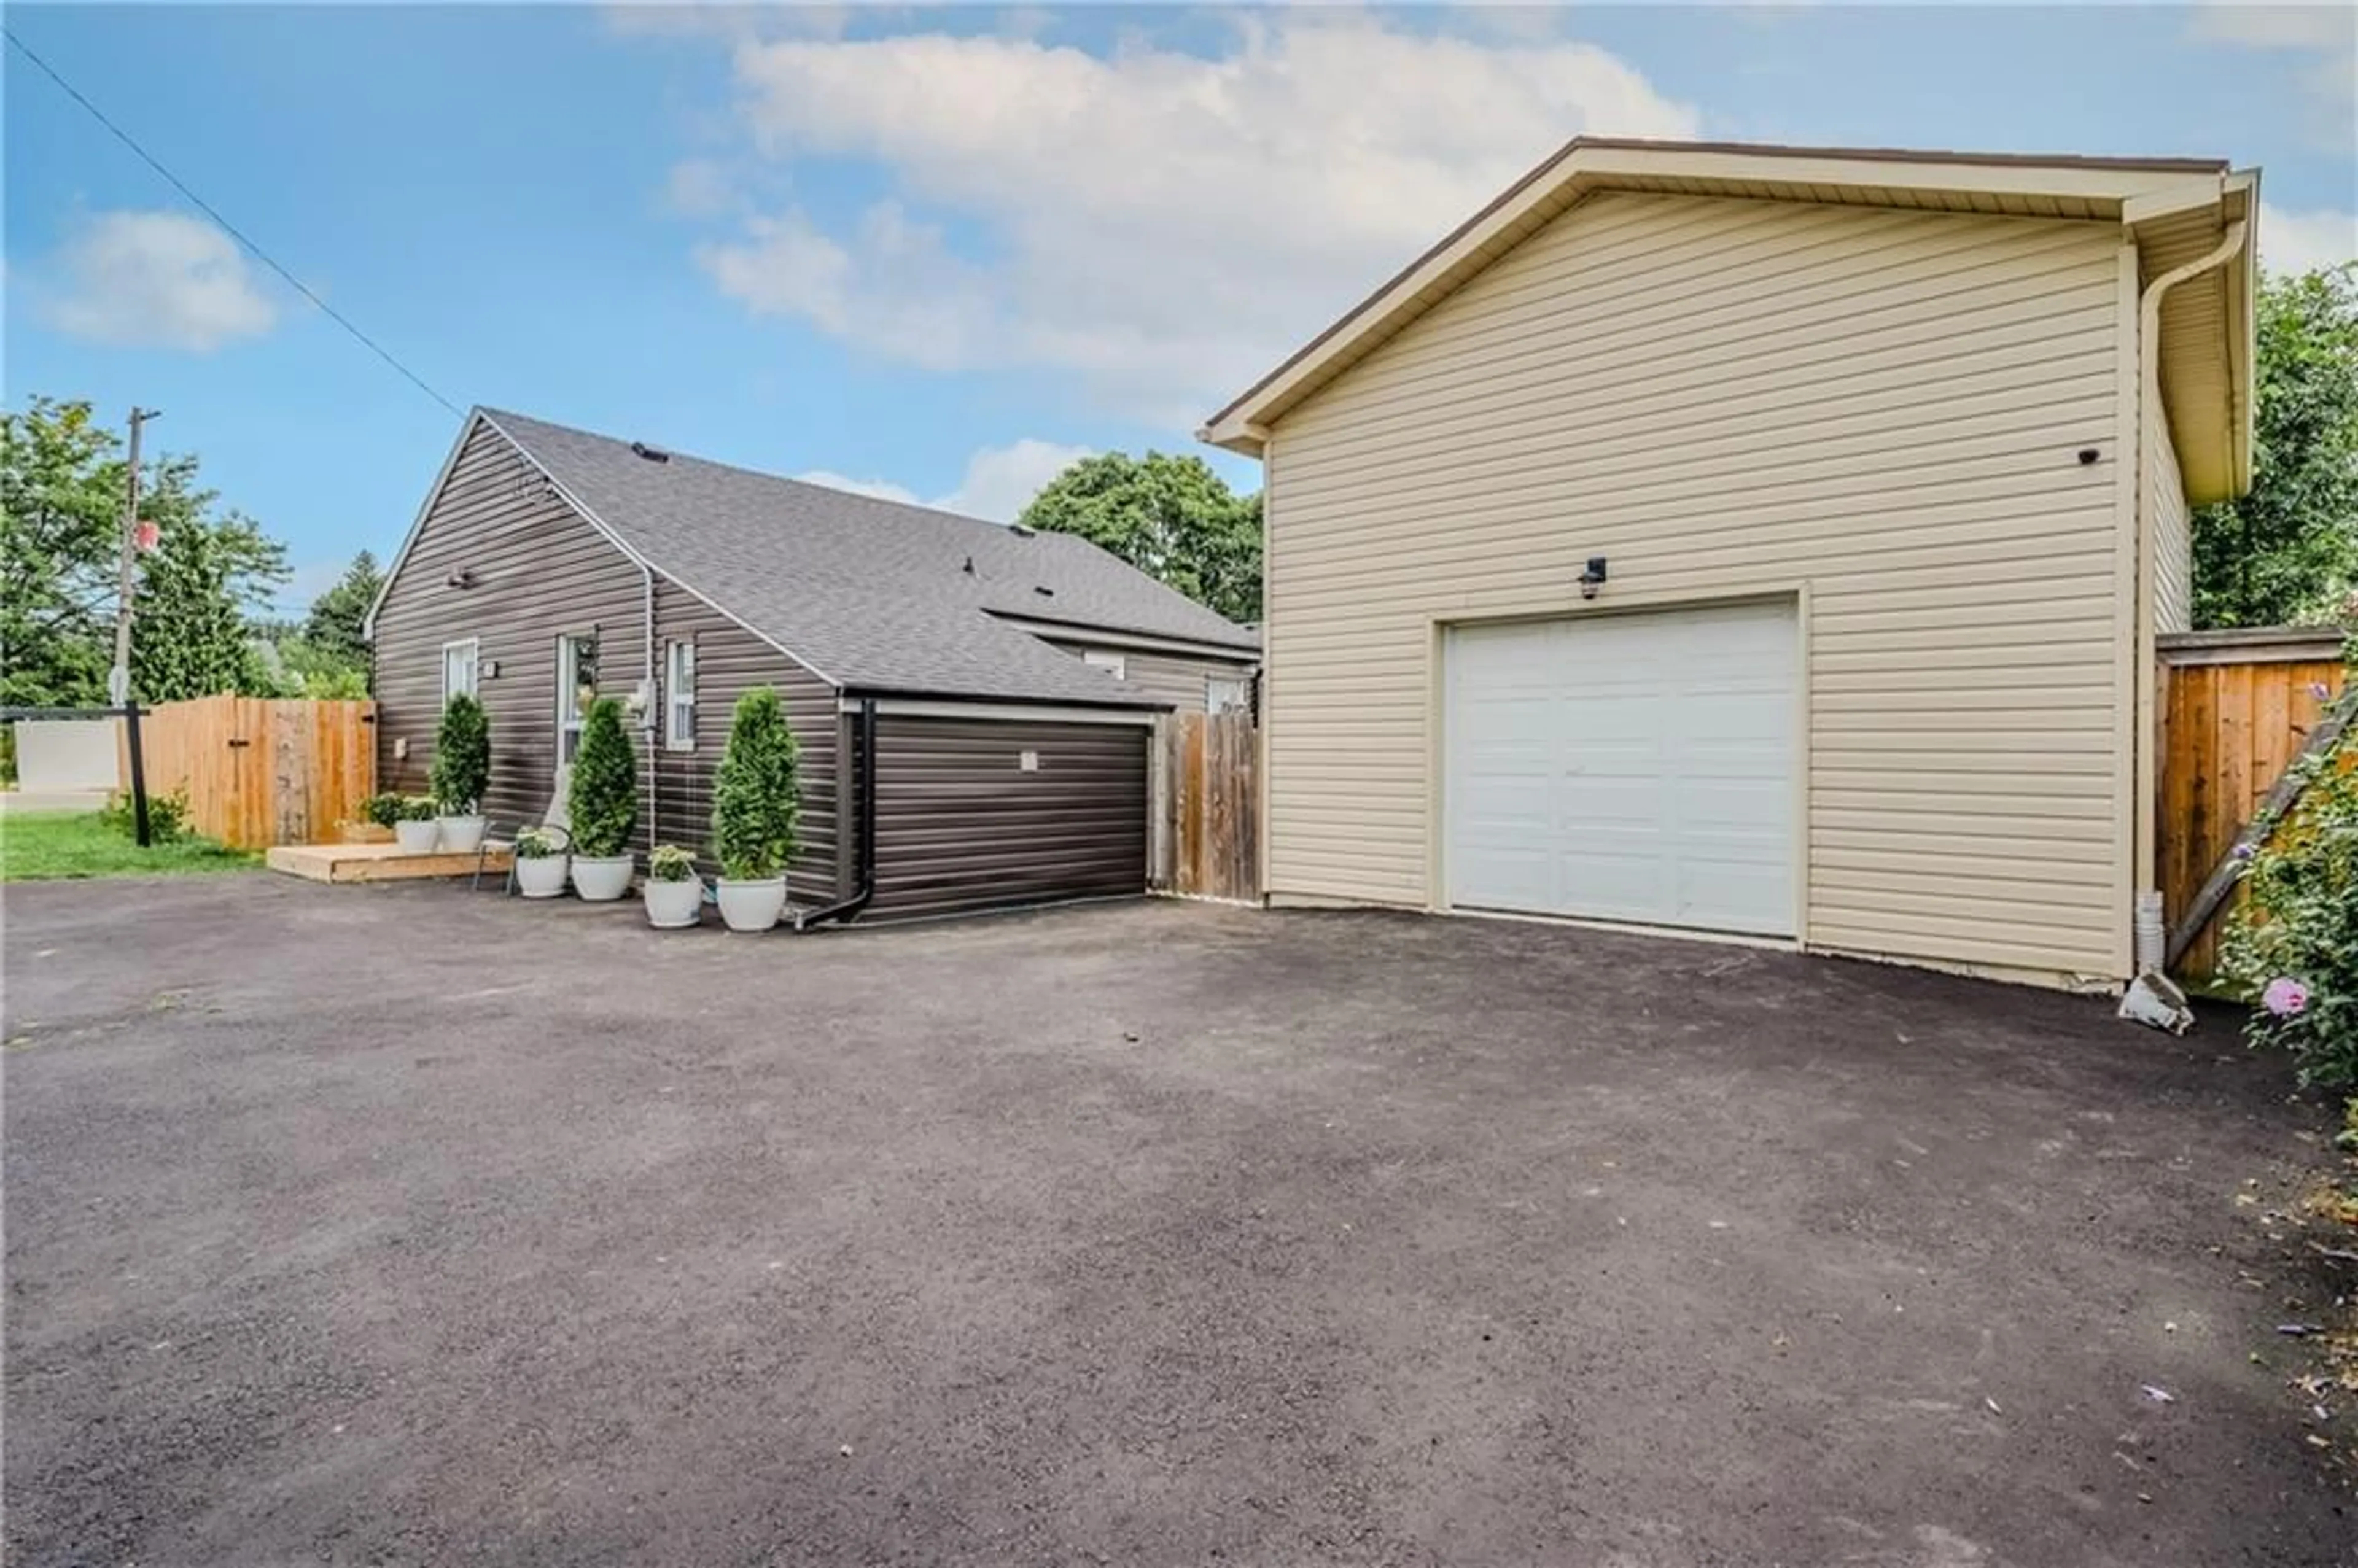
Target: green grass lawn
(48, 846)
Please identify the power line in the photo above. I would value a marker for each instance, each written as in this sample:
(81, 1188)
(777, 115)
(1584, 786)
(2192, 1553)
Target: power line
(177, 183)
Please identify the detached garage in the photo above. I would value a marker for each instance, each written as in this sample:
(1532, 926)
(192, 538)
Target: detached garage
(1757, 541)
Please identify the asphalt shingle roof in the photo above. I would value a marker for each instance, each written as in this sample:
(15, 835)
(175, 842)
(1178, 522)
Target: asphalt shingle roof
(872, 594)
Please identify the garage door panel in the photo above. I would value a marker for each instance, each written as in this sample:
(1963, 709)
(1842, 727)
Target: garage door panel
(1631, 767)
(1581, 805)
(1613, 884)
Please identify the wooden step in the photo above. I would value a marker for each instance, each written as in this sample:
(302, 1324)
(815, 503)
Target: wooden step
(378, 862)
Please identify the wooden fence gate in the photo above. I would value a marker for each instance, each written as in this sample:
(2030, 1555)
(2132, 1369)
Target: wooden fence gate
(2237, 708)
(1205, 827)
(260, 771)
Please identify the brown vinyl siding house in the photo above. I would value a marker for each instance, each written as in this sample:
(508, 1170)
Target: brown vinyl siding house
(1007, 769)
(1883, 461)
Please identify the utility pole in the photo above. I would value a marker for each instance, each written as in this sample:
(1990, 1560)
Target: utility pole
(118, 680)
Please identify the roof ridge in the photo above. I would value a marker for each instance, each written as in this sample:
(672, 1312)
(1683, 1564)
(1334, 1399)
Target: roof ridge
(770, 476)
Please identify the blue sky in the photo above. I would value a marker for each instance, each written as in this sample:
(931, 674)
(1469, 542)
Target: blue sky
(933, 252)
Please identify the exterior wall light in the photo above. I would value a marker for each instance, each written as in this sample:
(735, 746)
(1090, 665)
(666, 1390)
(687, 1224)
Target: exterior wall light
(1593, 577)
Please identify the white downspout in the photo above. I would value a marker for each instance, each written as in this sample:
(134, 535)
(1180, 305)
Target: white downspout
(2150, 406)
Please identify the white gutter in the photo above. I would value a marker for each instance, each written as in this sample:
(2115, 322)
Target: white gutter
(2150, 406)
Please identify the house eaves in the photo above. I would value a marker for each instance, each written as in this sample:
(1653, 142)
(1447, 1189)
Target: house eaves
(2089, 188)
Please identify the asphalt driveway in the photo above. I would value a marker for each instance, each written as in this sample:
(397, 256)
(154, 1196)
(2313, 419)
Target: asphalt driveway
(390, 1225)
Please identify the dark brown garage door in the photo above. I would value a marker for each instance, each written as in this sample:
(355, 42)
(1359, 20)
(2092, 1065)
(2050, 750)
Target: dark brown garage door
(988, 815)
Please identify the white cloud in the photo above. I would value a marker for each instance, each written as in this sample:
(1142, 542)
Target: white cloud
(881, 489)
(1161, 225)
(1000, 482)
(2297, 242)
(698, 19)
(2322, 44)
(2276, 27)
(154, 280)
(698, 187)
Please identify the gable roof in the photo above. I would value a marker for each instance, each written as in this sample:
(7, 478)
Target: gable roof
(872, 595)
(2204, 353)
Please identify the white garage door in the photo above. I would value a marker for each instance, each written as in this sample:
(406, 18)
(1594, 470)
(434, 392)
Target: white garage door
(1630, 767)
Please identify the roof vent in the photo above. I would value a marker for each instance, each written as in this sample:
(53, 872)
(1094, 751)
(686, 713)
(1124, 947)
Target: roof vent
(969, 566)
(1044, 592)
(1022, 530)
(653, 454)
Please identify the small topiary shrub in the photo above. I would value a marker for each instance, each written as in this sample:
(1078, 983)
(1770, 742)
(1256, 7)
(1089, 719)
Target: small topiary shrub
(756, 792)
(462, 756)
(604, 798)
(383, 810)
(2293, 946)
(670, 863)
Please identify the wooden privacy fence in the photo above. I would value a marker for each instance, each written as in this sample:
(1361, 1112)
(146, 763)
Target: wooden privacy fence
(1205, 827)
(2237, 709)
(260, 770)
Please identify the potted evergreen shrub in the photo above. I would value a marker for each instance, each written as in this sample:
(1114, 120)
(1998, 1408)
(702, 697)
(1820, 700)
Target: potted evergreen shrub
(603, 804)
(756, 803)
(462, 772)
(675, 894)
(378, 813)
(414, 830)
(539, 863)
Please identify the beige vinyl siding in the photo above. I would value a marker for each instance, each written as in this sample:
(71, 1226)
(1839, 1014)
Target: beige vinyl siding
(1176, 679)
(2173, 538)
(1877, 412)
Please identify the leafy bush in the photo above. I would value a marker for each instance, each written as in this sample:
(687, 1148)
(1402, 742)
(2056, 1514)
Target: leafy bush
(670, 863)
(462, 755)
(537, 844)
(2293, 946)
(168, 815)
(419, 809)
(756, 793)
(604, 800)
(383, 810)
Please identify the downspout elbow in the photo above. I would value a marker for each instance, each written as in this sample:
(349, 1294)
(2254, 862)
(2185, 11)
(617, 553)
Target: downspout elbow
(844, 911)
(2148, 408)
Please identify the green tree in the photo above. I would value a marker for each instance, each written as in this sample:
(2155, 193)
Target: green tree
(1171, 517)
(61, 522)
(604, 801)
(333, 626)
(2288, 553)
(756, 791)
(192, 632)
(61, 491)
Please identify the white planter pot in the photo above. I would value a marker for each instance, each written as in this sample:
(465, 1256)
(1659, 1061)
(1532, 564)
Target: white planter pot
(417, 837)
(460, 835)
(541, 876)
(601, 878)
(674, 905)
(751, 906)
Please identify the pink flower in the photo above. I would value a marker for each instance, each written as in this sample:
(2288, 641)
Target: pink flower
(2285, 995)
(2319, 690)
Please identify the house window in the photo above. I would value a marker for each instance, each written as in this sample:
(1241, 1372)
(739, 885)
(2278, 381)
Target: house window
(458, 669)
(1114, 665)
(1228, 694)
(577, 683)
(679, 696)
